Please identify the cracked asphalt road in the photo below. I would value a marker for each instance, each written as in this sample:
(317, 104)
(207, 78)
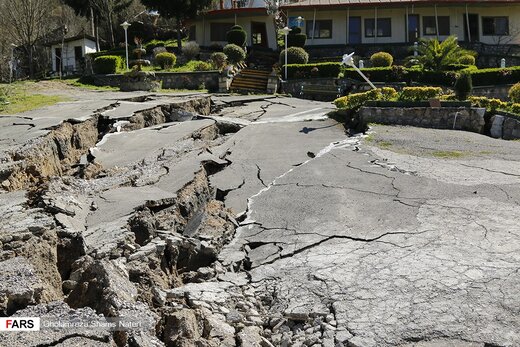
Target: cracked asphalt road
(403, 246)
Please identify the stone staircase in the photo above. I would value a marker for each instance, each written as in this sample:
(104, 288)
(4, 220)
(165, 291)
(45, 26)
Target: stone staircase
(250, 81)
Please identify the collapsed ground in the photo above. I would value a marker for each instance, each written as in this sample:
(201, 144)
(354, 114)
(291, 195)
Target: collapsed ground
(250, 221)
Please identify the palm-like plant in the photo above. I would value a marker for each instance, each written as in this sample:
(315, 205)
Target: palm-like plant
(435, 55)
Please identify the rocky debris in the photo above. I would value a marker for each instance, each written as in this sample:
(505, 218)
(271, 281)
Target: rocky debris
(19, 285)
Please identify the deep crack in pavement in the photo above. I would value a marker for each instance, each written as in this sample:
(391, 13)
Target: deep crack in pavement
(199, 225)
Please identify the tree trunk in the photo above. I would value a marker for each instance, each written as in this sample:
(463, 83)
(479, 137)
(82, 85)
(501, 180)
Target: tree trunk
(31, 65)
(110, 24)
(98, 47)
(179, 36)
(92, 22)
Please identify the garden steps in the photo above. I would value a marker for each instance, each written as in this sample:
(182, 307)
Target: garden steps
(250, 80)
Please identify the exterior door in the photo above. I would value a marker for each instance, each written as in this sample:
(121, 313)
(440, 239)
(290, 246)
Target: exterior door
(258, 34)
(354, 30)
(414, 27)
(473, 28)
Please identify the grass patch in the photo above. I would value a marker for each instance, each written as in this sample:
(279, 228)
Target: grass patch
(384, 144)
(17, 98)
(448, 154)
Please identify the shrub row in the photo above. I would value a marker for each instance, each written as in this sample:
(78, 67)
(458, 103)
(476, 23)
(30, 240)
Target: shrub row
(306, 70)
(355, 101)
(483, 77)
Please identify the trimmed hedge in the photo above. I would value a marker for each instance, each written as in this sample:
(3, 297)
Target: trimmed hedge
(514, 93)
(488, 104)
(356, 100)
(296, 38)
(166, 60)
(381, 59)
(305, 70)
(107, 64)
(295, 55)
(236, 36)
(419, 93)
(234, 53)
(487, 77)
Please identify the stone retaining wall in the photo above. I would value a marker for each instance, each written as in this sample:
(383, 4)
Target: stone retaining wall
(458, 118)
(505, 127)
(170, 80)
(494, 92)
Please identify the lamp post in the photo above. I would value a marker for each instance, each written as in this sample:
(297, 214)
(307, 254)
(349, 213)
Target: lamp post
(286, 32)
(125, 26)
(11, 63)
(299, 20)
(349, 61)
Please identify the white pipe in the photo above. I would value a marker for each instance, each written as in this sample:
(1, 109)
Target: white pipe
(436, 22)
(348, 24)
(313, 25)
(467, 23)
(375, 25)
(407, 38)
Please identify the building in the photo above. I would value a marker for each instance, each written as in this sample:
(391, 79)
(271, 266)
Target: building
(364, 22)
(67, 55)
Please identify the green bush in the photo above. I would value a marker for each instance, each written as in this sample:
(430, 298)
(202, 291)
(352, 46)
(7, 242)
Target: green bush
(202, 66)
(150, 45)
(296, 38)
(419, 93)
(295, 55)
(165, 60)
(381, 59)
(190, 50)
(463, 86)
(107, 64)
(237, 36)
(234, 53)
(515, 108)
(357, 100)
(467, 59)
(488, 77)
(488, 104)
(218, 59)
(305, 70)
(514, 93)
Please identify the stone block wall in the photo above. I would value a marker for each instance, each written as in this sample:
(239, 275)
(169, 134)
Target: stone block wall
(458, 118)
(170, 80)
(505, 127)
(493, 92)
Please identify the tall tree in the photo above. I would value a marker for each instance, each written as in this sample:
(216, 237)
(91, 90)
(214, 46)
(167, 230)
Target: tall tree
(26, 21)
(180, 10)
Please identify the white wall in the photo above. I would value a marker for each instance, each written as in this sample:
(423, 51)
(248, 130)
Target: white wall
(203, 35)
(67, 55)
(398, 15)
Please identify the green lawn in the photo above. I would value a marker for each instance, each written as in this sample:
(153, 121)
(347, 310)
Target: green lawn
(17, 98)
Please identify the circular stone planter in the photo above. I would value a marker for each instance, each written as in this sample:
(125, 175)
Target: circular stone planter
(139, 80)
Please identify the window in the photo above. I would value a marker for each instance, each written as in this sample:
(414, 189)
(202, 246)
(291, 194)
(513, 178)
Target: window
(495, 26)
(430, 27)
(384, 27)
(218, 31)
(322, 30)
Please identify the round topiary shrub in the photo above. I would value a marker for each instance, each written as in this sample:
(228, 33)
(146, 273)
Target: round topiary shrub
(295, 55)
(165, 60)
(234, 53)
(514, 93)
(190, 50)
(218, 59)
(296, 38)
(381, 59)
(107, 64)
(202, 66)
(237, 36)
(467, 60)
(463, 86)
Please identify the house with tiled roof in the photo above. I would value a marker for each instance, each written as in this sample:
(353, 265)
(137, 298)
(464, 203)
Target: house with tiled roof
(363, 22)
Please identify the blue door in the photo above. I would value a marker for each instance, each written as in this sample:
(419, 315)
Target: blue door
(354, 30)
(414, 29)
